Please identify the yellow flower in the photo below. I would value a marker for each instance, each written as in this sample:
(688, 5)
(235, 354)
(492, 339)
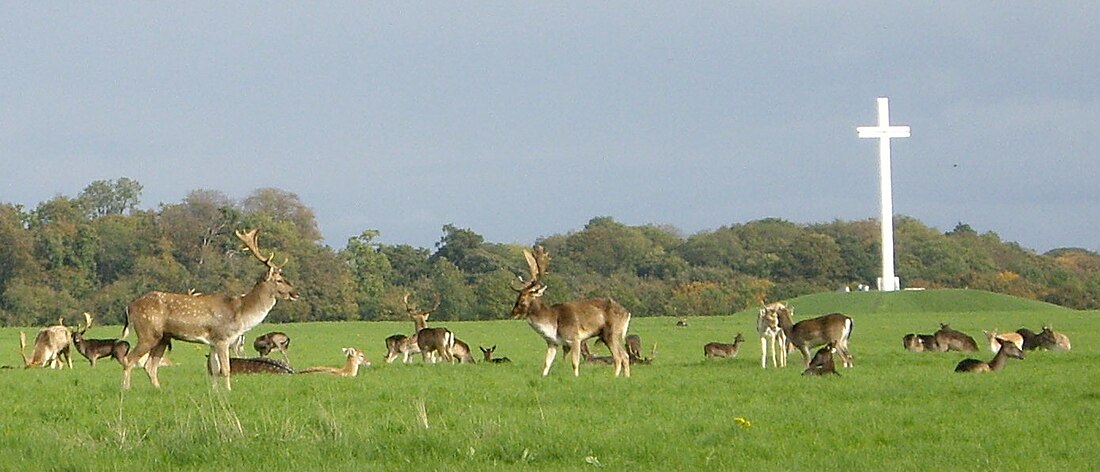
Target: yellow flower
(744, 423)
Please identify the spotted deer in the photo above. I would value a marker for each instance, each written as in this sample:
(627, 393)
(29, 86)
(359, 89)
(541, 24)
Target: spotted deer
(570, 324)
(216, 320)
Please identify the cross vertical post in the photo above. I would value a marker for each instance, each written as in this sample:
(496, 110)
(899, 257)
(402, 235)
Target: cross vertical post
(883, 131)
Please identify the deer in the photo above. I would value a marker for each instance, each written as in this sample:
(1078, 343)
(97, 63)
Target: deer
(273, 341)
(570, 323)
(1007, 349)
(51, 347)
(1031, 340)
(355, 358)
(436, 343)
(681, 322)
(920, 343)
(1053, 340)
(949, 339)
(460, 353)
(256, 365)
(95, 349)
(995, 345)
(717, 350)
(212, 319)
(810, 333)
(488, 355)
(771, 334)
(406, 346)
(822, 363)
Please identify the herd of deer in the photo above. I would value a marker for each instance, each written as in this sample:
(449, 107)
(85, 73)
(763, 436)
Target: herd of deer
(220, 321)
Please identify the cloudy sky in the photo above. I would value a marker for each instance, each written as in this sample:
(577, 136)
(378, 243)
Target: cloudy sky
(527, 119)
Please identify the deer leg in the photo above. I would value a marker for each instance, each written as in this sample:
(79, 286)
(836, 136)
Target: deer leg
(131, 358)
(619, 356)
(845, 356)
(153, 363)
(575, 356)
(285, 356)
(223, 360)
(551, 353)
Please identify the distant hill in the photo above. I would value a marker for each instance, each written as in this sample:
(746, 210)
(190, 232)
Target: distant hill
(917, 301)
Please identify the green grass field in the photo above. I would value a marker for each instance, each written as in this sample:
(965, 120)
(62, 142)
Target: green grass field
(894, 410)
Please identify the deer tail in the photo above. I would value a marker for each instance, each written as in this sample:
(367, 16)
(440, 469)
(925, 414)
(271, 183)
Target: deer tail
(126, 324)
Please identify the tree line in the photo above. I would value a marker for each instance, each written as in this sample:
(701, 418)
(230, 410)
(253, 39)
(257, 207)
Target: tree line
(98, 251)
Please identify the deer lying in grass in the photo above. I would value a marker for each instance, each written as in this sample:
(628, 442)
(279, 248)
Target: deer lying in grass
(216, 320)
(488, 355)
(920, 343)
(995, 345)
(822, 363)
(719, 350)
(571, 323)
(273, 341)
(1007, 349)
(1053, 340)
(95, 349)
(51, 347)
(681, 322)
(949, 339)
(1031, 340)
(256, 365)
(810, 333)
(355, 358)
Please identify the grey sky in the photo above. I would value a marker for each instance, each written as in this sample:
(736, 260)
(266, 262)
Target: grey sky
(524, 119)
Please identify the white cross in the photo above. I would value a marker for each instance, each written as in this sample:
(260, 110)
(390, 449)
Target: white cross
(884, 132)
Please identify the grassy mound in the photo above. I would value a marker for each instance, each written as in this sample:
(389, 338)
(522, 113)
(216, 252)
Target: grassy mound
(915, 301)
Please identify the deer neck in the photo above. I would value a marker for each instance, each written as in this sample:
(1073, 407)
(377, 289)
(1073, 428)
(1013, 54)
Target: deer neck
(256, 304)
(351, 367)
(785, 323)
(999, 360)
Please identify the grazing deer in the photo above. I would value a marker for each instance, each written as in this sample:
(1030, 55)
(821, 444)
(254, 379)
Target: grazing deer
(488, 355)
(995, 345)
(355, 358)
(1053, 340)
(95, 349)
(460, 352)
(590, 358)
(51, 347)
(256, 365)
(949, 339)
(714, 350)
(273, 341)
(771, 334)
(813, 332)
(822, 363)
(1007, 349)
(215, 320)
(634, 346)
(571, 323)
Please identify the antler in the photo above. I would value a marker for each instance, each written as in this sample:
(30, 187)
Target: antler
(87, 321)
(538, 264)
(413, 309)
(249, 238)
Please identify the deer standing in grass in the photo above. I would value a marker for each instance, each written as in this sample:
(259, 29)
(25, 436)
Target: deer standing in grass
(95, 349)
(810, 333)
(571, 323)
(406, 346)
(216, 320)
(771, 335)
(51, 347)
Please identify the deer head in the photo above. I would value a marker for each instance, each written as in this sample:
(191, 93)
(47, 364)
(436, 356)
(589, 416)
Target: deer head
(529, 291)
(280, 286)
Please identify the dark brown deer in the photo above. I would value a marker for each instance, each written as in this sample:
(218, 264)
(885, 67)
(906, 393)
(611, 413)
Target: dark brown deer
(273, 341)
(814, 332)
(434, 344)
(681, 322)
(823, 363)
(571, 323)
(949, 339)
(920, 342)
(51, 347)
(1031, 340)
(718, 350)
(488, 355)
(95, 349)
(1008, 349)
(355, 358)
(256, 365)
(215, 320)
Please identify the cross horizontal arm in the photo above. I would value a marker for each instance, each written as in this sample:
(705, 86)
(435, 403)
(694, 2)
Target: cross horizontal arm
(883, 132)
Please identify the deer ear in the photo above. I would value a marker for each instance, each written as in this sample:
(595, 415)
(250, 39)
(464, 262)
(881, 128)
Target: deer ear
(538, 293)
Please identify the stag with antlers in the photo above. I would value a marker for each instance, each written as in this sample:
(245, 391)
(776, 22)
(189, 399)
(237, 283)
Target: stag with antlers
(216, 320)
(570, 324)
(95, 349)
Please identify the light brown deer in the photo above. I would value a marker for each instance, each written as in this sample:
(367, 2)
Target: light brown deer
(355, 358)
(822, 363)
(771, 334)
(95, 349)
(715, 350)
(1007, 349)
(1053, 340)
(570, 324)
(950, 339)
(51, 347)
(460, 353)
(995, 345)
(215, 320)
(273, 341)
(814, 332)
